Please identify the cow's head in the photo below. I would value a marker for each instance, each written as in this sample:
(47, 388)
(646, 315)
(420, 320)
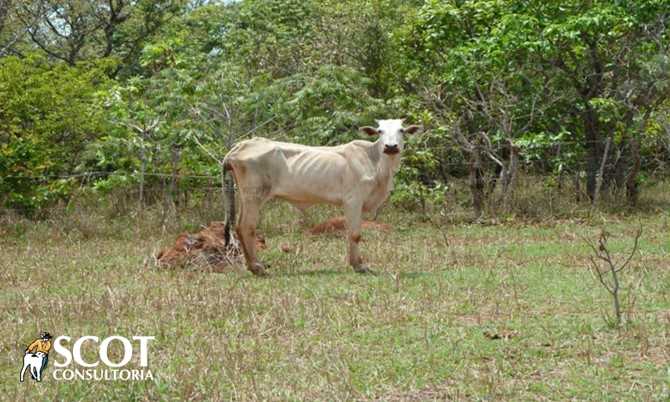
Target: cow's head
(391, 133)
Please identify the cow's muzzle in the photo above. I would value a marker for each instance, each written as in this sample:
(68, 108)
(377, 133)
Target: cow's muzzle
(391, 149)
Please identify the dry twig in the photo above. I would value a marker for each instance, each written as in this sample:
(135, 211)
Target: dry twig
(608, 276)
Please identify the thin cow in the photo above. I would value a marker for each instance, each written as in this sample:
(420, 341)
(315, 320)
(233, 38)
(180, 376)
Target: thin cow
(358, 176)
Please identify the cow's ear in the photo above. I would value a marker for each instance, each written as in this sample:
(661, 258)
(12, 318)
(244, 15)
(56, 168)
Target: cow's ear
(369, 130)
(413, 129)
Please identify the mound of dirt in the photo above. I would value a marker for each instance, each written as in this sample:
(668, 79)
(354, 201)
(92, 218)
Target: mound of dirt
(338, 224)
(205, 249)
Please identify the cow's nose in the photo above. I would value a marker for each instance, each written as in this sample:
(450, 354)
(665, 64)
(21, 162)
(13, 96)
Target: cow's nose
(391, 149)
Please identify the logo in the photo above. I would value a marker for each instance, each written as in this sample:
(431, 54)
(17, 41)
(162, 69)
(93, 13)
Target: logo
(36, 357)
(107, 366)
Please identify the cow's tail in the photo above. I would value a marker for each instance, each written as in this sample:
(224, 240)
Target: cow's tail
(229, 199)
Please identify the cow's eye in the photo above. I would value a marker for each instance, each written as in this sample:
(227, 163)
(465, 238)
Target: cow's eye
(402, 130)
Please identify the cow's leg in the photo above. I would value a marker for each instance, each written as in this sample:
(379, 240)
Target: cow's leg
(353, 212)
(45, 361)
(23, 371)
(246, 232)
(304, 220)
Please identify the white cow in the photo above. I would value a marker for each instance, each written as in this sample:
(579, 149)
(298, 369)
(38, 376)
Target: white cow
(357, 176)
(33, 362)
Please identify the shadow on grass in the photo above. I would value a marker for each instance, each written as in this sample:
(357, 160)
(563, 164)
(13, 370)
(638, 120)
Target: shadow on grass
(413, 275)
(313, 272)
(333, 272)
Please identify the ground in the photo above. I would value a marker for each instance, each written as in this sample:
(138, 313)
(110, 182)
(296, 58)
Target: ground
(460, 311)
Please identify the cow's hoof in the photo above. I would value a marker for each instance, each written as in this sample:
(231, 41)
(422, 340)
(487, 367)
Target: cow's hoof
(362, 269)
(258, 269)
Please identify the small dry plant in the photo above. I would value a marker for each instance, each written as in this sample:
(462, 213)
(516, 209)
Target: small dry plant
(607, 270)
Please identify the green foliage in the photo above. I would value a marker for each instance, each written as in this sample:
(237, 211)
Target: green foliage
(48, 115)
(270, 37)
(327, 106)
(537, 72)
(553, 78)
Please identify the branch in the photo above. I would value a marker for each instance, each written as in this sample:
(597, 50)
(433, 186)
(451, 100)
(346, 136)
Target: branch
(207, 151)
(635, 246)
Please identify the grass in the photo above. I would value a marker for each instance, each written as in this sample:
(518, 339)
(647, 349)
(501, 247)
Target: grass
(491, 312)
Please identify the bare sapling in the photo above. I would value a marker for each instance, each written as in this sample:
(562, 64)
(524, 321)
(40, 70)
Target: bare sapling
(607, 270)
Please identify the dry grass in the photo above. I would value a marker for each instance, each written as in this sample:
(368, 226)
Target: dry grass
(497, 312)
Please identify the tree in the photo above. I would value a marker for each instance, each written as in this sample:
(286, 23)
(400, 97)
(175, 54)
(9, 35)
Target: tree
(612, 58)
(515, 70)
(473, 63)
(75, 30)
(48, 115)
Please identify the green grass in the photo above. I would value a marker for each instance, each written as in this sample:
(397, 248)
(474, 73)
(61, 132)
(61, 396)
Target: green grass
(420, 330)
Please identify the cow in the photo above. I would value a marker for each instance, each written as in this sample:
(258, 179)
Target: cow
(357, 176)
(34, 363)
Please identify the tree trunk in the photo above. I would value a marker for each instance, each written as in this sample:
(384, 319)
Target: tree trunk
(509, 179)
(4, 6)
(578, 187)
(174, 162)
(560, 172)
(601, 173)
(476, 181)
(592, 145)
(143, 168)
(632, 190)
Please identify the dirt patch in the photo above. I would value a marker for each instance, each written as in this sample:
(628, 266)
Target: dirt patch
(206, 249)
(338, 224)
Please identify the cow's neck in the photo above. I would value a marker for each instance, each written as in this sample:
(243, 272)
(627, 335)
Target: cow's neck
(384, 169)
(386, 165)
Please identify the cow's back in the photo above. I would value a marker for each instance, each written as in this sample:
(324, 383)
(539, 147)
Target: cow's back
(295, 172)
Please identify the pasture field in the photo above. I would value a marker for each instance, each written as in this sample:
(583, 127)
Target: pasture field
(458, 311)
